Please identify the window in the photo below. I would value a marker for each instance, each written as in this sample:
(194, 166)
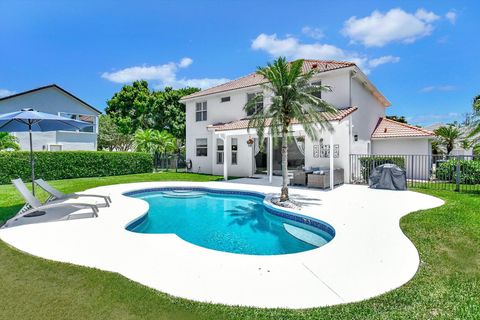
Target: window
(225, 99)
(201, 111)
(319, 93)
(220, 151)
(259, 105)
(81, 117)
(234, 150)
(202, 147)
(54, 147)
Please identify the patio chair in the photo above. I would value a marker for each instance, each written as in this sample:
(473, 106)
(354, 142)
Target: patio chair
(35, 211)
(55, 194)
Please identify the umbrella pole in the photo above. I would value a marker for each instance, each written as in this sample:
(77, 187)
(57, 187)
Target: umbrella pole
(32, 160)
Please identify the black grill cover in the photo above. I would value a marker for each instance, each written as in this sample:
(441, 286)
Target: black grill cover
(388, 176)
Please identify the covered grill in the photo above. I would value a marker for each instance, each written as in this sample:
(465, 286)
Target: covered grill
(388, 176)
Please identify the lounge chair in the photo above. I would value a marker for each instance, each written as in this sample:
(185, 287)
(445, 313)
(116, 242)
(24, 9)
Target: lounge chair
(56, 194)
(34, 211)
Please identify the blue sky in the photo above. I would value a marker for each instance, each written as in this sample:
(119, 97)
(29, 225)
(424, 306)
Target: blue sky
(422, 55)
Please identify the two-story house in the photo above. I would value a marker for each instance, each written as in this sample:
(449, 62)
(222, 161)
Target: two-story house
(218, 140)
(55, 100)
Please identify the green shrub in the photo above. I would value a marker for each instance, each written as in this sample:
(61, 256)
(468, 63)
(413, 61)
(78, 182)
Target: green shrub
(469, 171)
(367, 164)
(72, 164)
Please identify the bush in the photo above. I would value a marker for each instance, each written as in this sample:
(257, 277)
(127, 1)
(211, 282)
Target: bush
(469, 171)
(367, 164)
(72, 164)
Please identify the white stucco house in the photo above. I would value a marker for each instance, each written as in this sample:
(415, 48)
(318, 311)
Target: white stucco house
(218, 141)
(55, 100)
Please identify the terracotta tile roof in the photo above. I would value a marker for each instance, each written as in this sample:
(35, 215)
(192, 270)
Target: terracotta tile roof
(254, 79)
(243, 123)
(387, 128)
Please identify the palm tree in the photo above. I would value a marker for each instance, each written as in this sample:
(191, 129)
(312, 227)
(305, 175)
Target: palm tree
(292, 98)
(476, 117)
(152, 141)
(448, 136)
(8, 142)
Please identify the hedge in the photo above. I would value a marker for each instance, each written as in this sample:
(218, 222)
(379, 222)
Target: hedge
(469, 171)
(367, 164)
(72, 164)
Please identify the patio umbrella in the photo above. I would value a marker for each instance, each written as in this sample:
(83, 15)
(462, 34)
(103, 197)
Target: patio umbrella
(31, 120)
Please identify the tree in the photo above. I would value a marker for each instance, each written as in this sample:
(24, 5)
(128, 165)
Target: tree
(8, 142)
(448, 136)
(114, 136)
(168, 112)
(132, 102)
(146, 109)
(154, 141)
(475, 118)
(292, 98)
(398, 119)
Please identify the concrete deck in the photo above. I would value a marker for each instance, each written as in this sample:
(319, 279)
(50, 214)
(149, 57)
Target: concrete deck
(368, 256)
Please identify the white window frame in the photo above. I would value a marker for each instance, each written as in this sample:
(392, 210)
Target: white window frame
(234, 151)
(95, 121)
(49, 147)
(220, 152)
(201, 109)
(201, 146)
(257, 107)
(317, 83)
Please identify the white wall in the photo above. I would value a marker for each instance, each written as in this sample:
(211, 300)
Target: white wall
(365, 119)
(52, 100)
(340, 137)
(418, 166)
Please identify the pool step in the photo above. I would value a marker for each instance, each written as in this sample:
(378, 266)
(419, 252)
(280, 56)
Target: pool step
(305, 235)
(183, 194)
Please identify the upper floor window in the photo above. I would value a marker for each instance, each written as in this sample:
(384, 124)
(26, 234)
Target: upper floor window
(224, 99)
(202, 147)
(81, 117)
(317, 94)
(201, 111)
(259, 104)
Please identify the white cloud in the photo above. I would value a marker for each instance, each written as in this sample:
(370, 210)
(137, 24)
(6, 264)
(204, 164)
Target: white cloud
(185, 62)
(164, 74)
(6, 92)
(292, 48)
(315, 33)
(373, 63)
(451, 16)
(446, 87)
(396, 25)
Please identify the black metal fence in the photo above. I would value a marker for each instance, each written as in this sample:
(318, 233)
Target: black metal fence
(458, 173)
(169, 162)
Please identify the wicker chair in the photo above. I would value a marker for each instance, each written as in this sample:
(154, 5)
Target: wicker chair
(323, 180)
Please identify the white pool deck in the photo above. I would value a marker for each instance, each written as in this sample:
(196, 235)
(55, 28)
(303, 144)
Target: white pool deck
(368, 256)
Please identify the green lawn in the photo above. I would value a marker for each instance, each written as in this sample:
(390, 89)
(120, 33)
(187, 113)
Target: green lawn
(447, 285)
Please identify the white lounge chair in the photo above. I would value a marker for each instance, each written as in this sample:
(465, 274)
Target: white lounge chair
(56, 194)
(34, 211)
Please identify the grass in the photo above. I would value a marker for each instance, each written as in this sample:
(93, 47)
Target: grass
(447, 285)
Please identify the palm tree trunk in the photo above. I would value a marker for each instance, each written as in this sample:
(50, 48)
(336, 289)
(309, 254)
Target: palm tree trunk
(284, 195)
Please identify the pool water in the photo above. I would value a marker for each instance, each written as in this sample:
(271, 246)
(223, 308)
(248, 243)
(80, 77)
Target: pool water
(237, 223)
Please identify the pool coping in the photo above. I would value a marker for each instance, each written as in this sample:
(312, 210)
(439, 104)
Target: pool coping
(368, 256)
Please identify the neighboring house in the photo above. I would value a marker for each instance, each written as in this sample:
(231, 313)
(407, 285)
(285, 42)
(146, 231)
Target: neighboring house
(218, 140)
(55, 100)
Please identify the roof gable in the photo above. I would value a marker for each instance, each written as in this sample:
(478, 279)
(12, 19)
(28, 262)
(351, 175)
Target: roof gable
(55, 87)
(387, 128)
(254, 79)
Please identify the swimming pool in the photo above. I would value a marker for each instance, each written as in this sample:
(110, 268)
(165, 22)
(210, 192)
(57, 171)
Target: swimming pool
(230, 221)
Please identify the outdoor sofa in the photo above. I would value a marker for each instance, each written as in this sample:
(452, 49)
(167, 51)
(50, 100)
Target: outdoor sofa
(317, 177)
